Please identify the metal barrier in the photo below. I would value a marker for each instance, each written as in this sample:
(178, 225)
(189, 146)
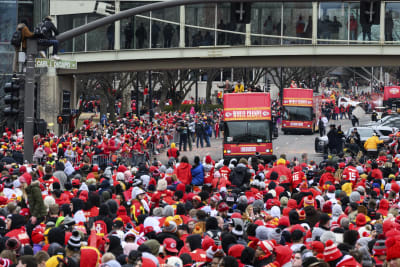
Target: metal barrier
(101, 160)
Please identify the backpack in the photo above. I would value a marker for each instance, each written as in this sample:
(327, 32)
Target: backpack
(41, 30)
(100, 227)
(215, 235)
(16, 38)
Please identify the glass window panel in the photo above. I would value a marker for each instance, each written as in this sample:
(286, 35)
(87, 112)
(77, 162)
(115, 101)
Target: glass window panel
(67, 22)
(333, 21)
(100, 38)
(8, 24)
(392, 22)
(365, 32)
(25, 12)
(135, 31)
(224, 16)
(165, 33)
(142, 31)
(264, 19)
(202, 15)
(8, 20)
(297, 22)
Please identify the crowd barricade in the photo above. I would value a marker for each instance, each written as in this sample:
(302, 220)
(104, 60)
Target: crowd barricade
(101, 160)
(138, 157)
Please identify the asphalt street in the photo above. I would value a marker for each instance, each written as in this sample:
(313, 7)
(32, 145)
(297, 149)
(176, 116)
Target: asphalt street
(293, 145)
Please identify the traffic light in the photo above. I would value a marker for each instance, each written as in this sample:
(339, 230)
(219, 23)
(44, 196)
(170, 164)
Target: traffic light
(268, 85)
(241, 12)
(66, 102)
(63, 118)
(370, 12)
(11, 99)
(59, 119)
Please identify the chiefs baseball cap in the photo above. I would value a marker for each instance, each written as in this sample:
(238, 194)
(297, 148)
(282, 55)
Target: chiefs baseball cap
(170, 245)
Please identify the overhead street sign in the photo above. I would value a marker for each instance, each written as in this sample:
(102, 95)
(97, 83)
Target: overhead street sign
(58, 64)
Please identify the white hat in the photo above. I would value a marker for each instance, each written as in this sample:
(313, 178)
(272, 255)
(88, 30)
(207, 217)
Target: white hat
(174, 262)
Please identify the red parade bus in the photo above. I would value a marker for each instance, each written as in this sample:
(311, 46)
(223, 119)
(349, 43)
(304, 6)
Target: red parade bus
(247, 125)
(301, 110)
(391, 97)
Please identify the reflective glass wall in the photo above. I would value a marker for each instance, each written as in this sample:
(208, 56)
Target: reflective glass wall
(392, 22)
(201, 25)
(8, 24)
(341, 23)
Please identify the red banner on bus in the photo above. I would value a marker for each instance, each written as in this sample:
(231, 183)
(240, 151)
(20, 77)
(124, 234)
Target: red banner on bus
(247, 106)
(298, 97)
(391, 92)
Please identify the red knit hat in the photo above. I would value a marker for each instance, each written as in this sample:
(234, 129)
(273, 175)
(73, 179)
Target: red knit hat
(91, 256)
(308, 201)
(318, 246)
(379, 248)
(361, 220)
(392, 248)
(331, 252)
(267, 246)
(236, 251)
(208, 159)
(284, 221)
(302, 215)
(395, 187)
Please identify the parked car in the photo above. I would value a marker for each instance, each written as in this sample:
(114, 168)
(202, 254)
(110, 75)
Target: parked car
(383, 132)
(383, 120)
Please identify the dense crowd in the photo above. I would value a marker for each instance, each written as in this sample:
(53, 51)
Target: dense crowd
(69, 210)
(340, 212)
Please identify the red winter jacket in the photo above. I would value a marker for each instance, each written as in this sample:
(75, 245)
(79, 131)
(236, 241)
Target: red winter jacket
(326, 177)
(183, 173)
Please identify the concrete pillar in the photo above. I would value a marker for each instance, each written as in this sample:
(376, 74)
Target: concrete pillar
(314, 22)
(248, 36)
(182, 27)
(382, 24)
(50, 97)
(117, 28)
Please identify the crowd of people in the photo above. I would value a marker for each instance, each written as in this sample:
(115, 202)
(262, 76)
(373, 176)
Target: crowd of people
(68, 209)
(342, 211)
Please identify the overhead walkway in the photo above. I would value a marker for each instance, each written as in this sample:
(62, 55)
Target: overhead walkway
(227, 57)
(287, 34)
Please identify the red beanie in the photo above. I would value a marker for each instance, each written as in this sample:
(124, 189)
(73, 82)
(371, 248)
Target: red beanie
(236, 251)
(180, 187)
(318, 246)
(395, 187)
(308, 201)
(208, 159)
(331, 252)
(292, 203)
(361, 220)
(121, 168)
(302, 215)
(284, 221)
(392, 248)
(267, 246)
(91, 256)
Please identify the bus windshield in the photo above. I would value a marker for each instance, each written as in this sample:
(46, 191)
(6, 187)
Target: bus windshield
(298, 113)
(247, 132)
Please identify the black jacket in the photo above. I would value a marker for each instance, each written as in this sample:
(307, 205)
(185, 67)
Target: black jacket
(51, 31)
(240, 175)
